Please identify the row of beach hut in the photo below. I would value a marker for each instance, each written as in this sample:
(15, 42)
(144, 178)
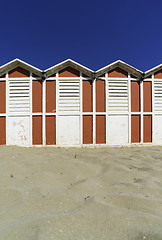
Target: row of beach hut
(72, 105)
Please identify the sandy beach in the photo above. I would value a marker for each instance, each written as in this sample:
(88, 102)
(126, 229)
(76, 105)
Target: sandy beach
(81, 193)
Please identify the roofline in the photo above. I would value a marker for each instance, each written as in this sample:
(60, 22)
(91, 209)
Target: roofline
(72, 61)
(158, 67)
(107, 66)
(94, 73)
(116, 63)
(20, 61)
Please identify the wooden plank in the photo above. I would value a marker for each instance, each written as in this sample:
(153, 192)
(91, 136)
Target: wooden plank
(19, 72)
(37, 130)
(135, 96)
(100, 129)
(51, 96)
(147, 96)
(87, 130)
(100, 96)
(2, 97)
(158, 74)
(87, 96)
(2, 130)
(37, 96)
(135, 128)
(69, 72)
(50, 130)
(147, 128)
(118, 72)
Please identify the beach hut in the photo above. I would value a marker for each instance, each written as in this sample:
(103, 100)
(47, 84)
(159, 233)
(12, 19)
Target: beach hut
(119, 81)
(20, 103)
(71, 105)
(72, 108)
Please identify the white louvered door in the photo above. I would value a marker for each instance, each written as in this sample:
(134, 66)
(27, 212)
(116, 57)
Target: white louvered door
(18, 112)
(68, 112)
(117, 107)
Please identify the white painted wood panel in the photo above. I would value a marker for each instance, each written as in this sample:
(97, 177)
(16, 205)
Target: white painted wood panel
(69, 96)
(68, 130)
(19, 131)
(117, 96)
(157, 95)
(117, 131)
(18, 99)
(158, 129)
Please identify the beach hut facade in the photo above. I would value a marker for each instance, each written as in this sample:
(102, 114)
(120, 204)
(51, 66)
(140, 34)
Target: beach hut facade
(71, 105)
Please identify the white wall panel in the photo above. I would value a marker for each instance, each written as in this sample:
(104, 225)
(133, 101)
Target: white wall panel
(18, 131)
(117, 131)
(158, 129)
(68, 130)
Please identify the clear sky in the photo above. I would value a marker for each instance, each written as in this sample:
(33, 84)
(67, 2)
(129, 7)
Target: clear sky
(93, 33)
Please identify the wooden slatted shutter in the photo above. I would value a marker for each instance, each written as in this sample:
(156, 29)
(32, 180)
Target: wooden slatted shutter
(117, 96)
(69, 96)
(19, 97)
(158, 95)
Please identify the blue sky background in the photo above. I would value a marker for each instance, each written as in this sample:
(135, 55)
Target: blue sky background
(93, 33)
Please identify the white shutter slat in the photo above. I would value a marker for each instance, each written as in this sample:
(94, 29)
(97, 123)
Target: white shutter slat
(69, 95)
(117, 95)
(19, 96)
(158, 95)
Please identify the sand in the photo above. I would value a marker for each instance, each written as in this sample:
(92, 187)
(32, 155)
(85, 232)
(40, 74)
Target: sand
(80, 193)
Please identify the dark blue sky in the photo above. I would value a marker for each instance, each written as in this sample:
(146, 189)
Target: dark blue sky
(93, 33)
